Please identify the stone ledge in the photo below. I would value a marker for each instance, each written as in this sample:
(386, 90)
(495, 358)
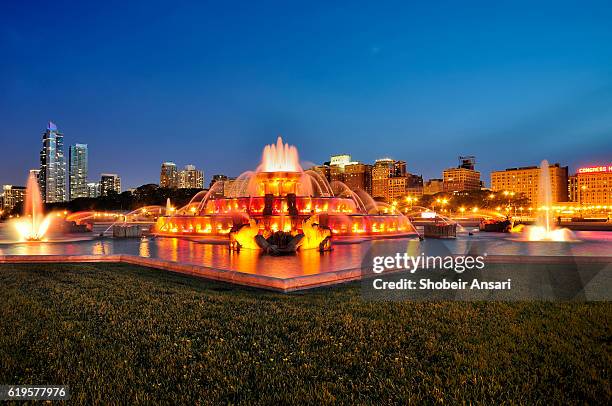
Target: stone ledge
(31, 259)
(302, 282)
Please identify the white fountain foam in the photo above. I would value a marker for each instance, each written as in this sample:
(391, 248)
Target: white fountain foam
(34, 224)
(280, 158)
(545, 229)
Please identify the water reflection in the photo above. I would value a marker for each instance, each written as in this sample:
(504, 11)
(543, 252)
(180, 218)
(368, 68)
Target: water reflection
(101, 248)
(143, 249)
(244, 261)
(215, 254)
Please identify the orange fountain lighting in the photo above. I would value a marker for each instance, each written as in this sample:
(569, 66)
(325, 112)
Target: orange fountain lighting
(280, 157)
(281, 196)
(545, 228)
(34, 224)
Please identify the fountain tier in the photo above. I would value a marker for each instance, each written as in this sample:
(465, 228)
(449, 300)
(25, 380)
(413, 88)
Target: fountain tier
(281, 196)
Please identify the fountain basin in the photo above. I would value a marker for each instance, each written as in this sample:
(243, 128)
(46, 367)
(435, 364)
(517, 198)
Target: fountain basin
(280, 196)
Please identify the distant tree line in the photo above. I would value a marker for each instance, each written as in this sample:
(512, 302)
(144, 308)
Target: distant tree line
(152, 194)
(468, 199)
(145, 195)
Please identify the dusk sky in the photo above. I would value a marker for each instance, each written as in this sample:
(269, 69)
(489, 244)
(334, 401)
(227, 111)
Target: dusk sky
(209, 83)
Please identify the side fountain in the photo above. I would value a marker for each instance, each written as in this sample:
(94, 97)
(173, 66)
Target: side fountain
(545, 228)
(34, 224)
(280, 196)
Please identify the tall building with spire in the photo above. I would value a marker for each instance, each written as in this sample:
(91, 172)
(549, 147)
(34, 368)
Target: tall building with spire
(52, 176)
(77, 171)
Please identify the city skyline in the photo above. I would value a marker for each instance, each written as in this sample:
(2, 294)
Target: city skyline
(485, 176)
(510, 85)
(387, 179)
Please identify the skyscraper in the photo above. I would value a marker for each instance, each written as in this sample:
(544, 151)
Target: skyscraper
(463, 177)
(191, 178)
(169, 175)
(390, 180)
(52, 177)
(414, 184)
(77, 171)
(433, 186)
(93, 189)
(526, 180)
(382, 171)
(12, 196)
(109, 182)
(594, 185)
(217, 178)
(358, 176)
(337, 165)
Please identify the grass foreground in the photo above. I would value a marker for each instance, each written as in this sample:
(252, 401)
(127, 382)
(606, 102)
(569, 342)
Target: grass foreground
(122, 334)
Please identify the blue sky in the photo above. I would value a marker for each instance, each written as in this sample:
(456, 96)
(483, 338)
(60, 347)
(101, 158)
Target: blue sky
(210, 83)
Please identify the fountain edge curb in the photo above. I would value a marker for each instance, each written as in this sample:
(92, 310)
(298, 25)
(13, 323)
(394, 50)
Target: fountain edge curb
(302, 282)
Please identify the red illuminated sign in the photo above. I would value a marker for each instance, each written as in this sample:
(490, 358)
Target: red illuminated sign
(594, 169)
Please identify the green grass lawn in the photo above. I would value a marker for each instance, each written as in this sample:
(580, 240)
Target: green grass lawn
(123, 334)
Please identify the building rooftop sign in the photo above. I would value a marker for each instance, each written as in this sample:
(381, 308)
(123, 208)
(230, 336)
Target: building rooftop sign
(592, 169)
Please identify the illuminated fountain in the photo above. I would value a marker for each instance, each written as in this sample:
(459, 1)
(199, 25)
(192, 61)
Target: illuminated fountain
(280, 196)
(545, 228)
(34, 223)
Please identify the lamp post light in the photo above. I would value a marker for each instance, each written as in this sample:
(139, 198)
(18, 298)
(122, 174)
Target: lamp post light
(410, 200)
(444, 203)
(491, 197)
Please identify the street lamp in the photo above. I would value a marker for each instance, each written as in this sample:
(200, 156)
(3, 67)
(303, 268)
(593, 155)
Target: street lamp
(444, 203)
